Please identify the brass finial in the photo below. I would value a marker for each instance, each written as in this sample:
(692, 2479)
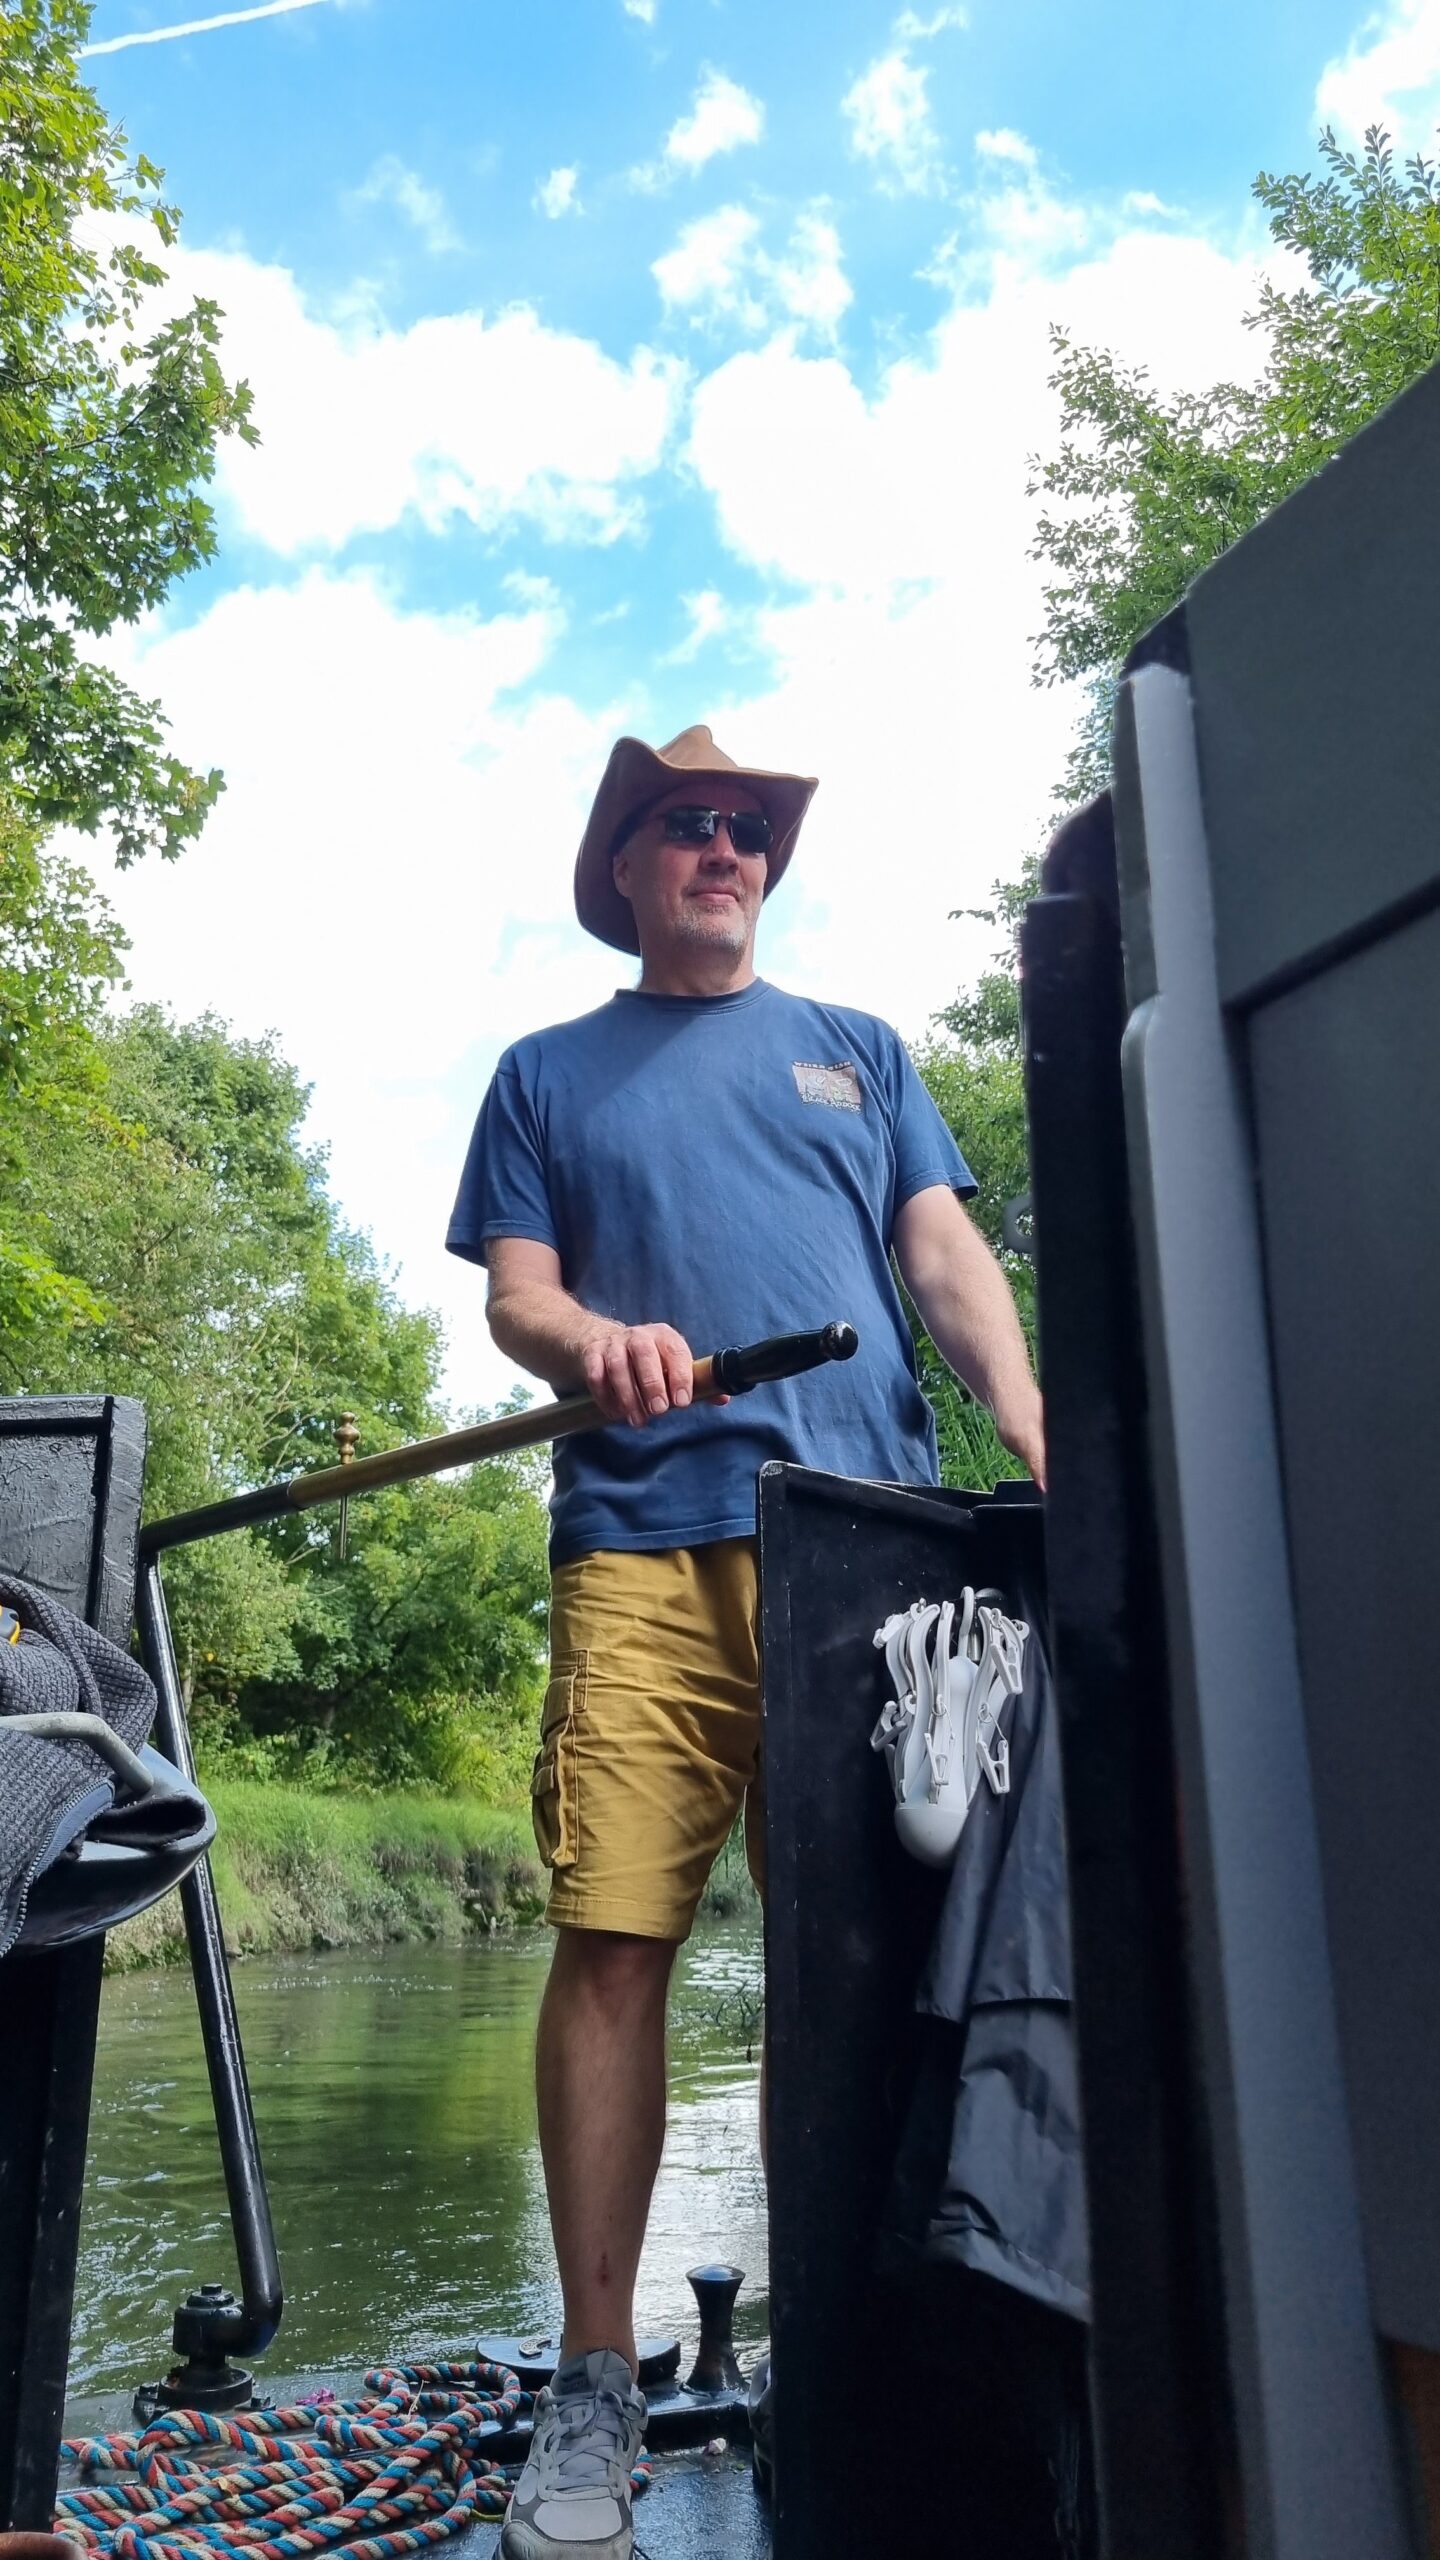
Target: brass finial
(347, 1441)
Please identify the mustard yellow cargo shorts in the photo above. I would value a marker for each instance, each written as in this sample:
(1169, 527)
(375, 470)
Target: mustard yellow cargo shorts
(650, 1737)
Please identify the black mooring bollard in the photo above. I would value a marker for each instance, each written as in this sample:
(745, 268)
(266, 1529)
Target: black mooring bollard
(205, 2379)
(715, 2288)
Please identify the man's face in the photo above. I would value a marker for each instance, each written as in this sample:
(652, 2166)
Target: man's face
(693, 895)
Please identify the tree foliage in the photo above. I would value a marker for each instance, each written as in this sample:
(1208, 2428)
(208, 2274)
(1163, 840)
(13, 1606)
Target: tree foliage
(108, 432)
(225, 1291)
(1145, 491)
(165, 1230)
(417, 1658)
(60, 954)
(232, 1298)
(1149, 488)
(972, 1067)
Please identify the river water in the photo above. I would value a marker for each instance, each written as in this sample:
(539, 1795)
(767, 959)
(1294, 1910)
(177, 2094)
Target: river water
(397, 2121)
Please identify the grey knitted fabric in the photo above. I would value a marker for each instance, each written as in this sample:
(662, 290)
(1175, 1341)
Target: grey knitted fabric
(49, 1791)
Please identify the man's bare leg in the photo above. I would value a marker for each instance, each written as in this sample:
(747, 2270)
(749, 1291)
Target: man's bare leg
(600, 2082)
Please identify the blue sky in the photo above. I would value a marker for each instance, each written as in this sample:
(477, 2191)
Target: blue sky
(621, 363)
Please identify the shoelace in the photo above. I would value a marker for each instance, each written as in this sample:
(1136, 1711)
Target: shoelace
(568, 2425)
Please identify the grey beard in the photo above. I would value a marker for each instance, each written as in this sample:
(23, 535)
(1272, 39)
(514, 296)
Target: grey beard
(712, 933)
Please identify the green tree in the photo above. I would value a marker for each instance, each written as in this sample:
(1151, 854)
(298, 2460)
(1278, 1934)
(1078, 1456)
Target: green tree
(972, 1067)
(166, 1229)
(108, 432)
(419, 1658)
(1153, 488)
(227, 1293)
(1147, 490)
(60, 954)
(233, 1298)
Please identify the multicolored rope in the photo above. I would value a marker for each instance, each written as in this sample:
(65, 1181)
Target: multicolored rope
(385, 2475)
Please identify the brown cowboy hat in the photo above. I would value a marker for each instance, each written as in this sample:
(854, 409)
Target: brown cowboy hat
(634, 779)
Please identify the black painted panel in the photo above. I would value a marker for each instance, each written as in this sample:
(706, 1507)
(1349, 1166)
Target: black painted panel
(47, 1511)
(1346, 1081)
(1316, 707)
(848, 1920)
(1164, 2436)
(71, 1477)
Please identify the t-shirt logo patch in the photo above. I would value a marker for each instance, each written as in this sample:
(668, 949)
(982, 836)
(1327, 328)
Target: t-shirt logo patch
(839, 1086)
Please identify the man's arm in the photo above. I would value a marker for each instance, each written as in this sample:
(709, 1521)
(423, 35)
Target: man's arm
(966, 1307)
(632, 1370)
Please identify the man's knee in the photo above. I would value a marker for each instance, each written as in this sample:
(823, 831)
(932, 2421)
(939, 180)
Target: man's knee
(616, 1974)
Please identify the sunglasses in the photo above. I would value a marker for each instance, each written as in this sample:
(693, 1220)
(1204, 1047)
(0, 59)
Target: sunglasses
(750, 829)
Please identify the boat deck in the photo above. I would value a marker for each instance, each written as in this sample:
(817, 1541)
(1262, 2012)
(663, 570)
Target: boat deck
(701, 2503)
(698, 2507)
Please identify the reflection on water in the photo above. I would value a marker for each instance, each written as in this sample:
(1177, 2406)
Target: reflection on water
(397, 2120)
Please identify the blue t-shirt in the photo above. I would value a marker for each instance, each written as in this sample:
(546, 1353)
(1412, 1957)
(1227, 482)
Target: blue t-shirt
(732, 1166)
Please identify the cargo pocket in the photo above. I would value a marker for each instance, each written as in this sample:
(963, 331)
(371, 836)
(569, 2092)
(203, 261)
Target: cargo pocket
(554, 1798)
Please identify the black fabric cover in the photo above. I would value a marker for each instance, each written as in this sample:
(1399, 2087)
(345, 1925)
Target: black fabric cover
(171, 1814)
(989, 2172)
(51, 1792)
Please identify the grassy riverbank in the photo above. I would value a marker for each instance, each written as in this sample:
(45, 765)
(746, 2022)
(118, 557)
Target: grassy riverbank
(297, 1869)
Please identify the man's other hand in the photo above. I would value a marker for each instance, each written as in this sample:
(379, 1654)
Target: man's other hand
(1023, 1432)
(967, 1309)
(635, 1371)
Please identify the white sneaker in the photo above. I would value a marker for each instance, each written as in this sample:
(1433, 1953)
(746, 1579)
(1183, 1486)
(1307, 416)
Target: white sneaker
(572, 2501)
(941, 1731)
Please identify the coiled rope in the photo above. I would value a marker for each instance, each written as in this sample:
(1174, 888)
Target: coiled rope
(384, 2475)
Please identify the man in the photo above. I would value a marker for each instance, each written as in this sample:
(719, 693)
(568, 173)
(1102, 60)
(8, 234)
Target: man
(703, 1160)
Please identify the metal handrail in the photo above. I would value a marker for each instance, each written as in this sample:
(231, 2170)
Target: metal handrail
(133, 1779)
(219, 2328)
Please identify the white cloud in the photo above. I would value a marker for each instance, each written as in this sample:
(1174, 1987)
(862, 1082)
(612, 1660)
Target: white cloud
(644, 10)
(1141, 200)
(717, 270)
(388, 877)
(810, 280)
(723, 118)
(390, 182)
(1018, 218)
(705, 272)
(1004, 144)
(888, 109)
(1389, 75)
(892, 126)
(710, 616)
(385, 881)
(1031, 222)
(493, 420)
(556, 195)
(524, 588)
(898, 520)
(206, 26)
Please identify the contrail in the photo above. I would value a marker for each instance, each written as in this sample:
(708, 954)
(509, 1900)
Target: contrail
(202, 26)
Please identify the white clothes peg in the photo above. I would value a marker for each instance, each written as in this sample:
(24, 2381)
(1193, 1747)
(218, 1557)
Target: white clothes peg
(940, 1730)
